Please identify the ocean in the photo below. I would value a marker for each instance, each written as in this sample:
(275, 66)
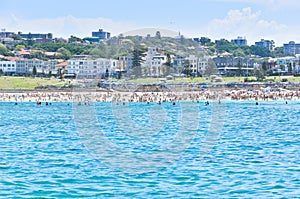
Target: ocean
(235, 149)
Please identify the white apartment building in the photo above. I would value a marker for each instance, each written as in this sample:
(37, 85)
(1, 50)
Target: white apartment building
(91, 69)
(8, 67)
(197, 65)
(153, 63)
(25, 67)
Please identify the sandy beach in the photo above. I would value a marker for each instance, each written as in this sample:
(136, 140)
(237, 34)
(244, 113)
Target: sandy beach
(163, 96)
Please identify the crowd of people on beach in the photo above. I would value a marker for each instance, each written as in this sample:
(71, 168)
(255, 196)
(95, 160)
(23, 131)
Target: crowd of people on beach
(93, 96)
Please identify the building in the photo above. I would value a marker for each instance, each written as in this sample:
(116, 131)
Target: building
(98, 36)
(284, 64)
(269, 44)
(101, 34)
(7, 67)
(291, 49)
(114, 41)
(4, 34)
(125, 63)
(191, 64)
(231, 66)
(37, 37)
(196, 65)
(91, 69)
(153, 63)
(178, 63)
(240, 41)
(43, 68)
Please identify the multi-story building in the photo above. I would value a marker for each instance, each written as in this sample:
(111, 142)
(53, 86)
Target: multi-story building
(230, 66)
(101, 34)
(91, 69)
(153, 63)
(98, 36)
(291, 49)
(269, 44)
(4, 34)
(7, 67)
(194, 65)
(178, 63)
(197, 65)
(240, 41)
(37, 37)
(125, 63)
(25, 67)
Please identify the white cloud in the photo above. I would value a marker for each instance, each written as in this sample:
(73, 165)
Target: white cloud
(66, 25)
(247, 23)
(272, 4)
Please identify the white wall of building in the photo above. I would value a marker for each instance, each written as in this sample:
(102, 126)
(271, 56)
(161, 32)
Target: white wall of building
(91, 69)
(8, 67)
(25, 67)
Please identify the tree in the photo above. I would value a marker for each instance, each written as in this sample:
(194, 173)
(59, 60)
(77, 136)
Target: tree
(264, 66)
(168, 65)
(60, 73)
(137, 60)
(186, 68)
(278, 52)
(65, 54)
(96, 53)
(205, 41)
(290, 68)
(106, 73)
(238, 53)
(259, 73)
(239, 68)
(211, 68)
(3, 50)
(73, 39)
(259, 51)
(19, 47)
(30, 41)
(34, 71)
(119, 74)
(16, 37)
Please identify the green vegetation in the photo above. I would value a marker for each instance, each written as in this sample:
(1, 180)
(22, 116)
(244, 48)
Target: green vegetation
(27, 83)
(4, 51)
(111, 49)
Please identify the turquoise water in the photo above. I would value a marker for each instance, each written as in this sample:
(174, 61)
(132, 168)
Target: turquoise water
(43, 154)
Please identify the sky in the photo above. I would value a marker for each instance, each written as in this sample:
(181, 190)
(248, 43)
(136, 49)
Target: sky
(254, 19)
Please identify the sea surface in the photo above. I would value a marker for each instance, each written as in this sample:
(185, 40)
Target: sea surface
(235, 149)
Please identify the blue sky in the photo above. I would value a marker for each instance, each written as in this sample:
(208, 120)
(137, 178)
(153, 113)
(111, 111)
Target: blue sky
(254, 19)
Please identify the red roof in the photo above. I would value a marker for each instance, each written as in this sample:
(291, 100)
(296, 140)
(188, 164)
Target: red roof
(13, 58)
(62, 64)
